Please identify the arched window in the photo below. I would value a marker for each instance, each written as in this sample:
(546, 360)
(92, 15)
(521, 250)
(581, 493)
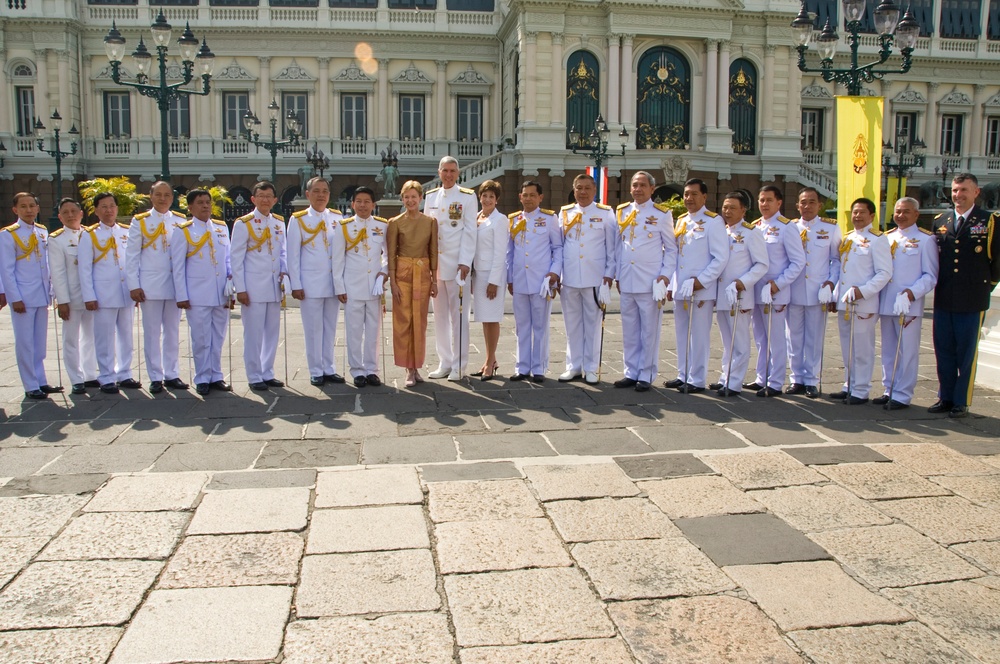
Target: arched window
(663, 100)
(743, 106)
(23, 71)
(583, 93)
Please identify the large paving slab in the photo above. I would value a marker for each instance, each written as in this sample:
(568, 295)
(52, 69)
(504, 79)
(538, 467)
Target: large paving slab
(824, 455)
(580, 481)
(776, 433)
(595, 651)
(662, 466)
(406, 638)
(206, 624)
(37, 516)
(15, 553)
(749, 539)
(811, 508)
(379, 528)
(117, 535)
(482, 470)
(908, 642)
(435, 448)
(251, 511)
(708, 630)
(881, 481)
(308, 454)
(762, 470)
(271, 479)
(374, 486)
(79, 646)
(610, 519)
(108, 459)
(597, 442)
(947, 519)
(859, 432)
(982, 490)
(148, 493)
(254, 559)
(218, 455)
(478, 501)
(682, 437)
(984, 554)
(933, 459)
(503, 446)
(85, 432)
(53, 485)
(27, 460)
(486, 546)
(688, 497)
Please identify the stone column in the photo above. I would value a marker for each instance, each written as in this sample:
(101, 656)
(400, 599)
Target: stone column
(558, 82)
(441, 101)
(794, 120)
(711, 83)
(43, 107)
(324, 100)
(764, 105)
(975, 147)
(530, 77)
(614, 86)
(63, 97)
(932, 132)
(5, 123)
(723, 82)
(627, 83)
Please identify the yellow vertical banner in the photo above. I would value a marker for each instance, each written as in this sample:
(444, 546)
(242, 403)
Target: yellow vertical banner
(859, 153)
(895, 188)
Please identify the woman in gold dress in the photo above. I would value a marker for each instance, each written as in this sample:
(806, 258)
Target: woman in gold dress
(412, 244)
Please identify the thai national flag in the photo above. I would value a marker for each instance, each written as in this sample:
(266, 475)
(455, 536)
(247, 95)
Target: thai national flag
(600, 176)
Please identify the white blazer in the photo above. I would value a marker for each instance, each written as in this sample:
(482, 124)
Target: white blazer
(492, 236)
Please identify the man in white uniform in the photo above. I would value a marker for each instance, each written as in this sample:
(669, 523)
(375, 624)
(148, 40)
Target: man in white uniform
(105, 292)
(588, 271)
(316, 272)
(455, 209)
(77, 323)
(259, 265)
(914, 274)
(151, 284)
(646, 255)
(366, 267)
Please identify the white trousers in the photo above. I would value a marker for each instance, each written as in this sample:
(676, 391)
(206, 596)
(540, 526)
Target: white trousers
(113, 343)
(79, 353)
(261, 327)
(161, 323)
(319, 323)
(208, 336)
(700, 320)
(531, 323)
(863, 349)
(641, 320)
(735, 341)
(806, 330)
(778, 345)
(582, 318)
(451, 354)
(30, 330)
(361, 325)
(909, 356)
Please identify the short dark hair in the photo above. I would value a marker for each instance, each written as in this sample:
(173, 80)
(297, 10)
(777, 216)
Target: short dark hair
(772, 189)
(867, 202)
(101, 196)
(584, 177)
(964, 177)
(313, 181)
(697, 182)
(263, 185)
(363, 190)
(195, 194)
(807, 190)
(66, 199)
(738, 196)
(491, 185)
(21, 194)
(532, 183)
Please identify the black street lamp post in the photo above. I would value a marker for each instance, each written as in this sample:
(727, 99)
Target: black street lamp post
(908, 154)
(162, 92)
(56, 152)
(890, 29)
(319, 161)
(292, 126)
(596, 144)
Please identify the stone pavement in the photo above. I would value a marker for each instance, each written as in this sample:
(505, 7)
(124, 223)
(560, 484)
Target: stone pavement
(496, 522)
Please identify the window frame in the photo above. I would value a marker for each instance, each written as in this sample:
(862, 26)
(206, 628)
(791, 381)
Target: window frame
(951, 137)
(124, 113)
(232, 94)
(301, 113)
(179, 117)
(25, 116)
(475, 116)
(419, 114)
(819, 128)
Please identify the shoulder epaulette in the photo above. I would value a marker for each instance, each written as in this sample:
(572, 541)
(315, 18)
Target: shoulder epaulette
(300, 213)
(381, 219)
(876, 232)
(747, 224)
(784, 220)
(142, 215)
(683, 216)
(185, 224)
(246, 217)
(13, 227)
(347, 220)
(924, 231)
(219, 222)
(431, 191)
(544, 211)
(827, 220)
(939, 216)
(122, 224)
(178, 214)
(513, 215)
(278, 217)
(57, 232)
(622, 205)
(662, 207)
(92, 227)
(603, 206)
(466, 191)
(567, 207)
(709, 213)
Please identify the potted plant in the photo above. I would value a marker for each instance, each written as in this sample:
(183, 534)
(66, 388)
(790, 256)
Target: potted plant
(220, 198)
(127, 196)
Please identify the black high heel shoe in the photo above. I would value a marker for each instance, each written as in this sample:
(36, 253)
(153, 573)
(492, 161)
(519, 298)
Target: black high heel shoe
(492, 374)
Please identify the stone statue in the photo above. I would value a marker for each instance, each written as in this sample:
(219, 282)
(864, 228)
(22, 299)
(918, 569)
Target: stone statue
(991, 195)
(306, 173)
(389, 173)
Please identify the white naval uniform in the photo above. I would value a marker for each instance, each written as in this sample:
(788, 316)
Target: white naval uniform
(366, 262)
(915, 267)
(588, 259)
(24, 269)
(865, 262)
(201, 270)
(645, 249)
(805, 325)
(102, 280)
(258, 260)
(702, 252)
(748, 262)
(77, 332)
(786, 259)
(534, 250)
(455, 210)
(316, 266)
(147, 266)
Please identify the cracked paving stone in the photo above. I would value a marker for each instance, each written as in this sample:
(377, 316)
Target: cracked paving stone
(79, 646)
(115, 535)
(37, 516)
(382, 528)
(881, 481)
(487, 546)
(148, 493)
(583, 651)
(581, 481)
(610, 519)
(373, 486)
(481, 501)
(251, 511)
(688, 497)
(948, 519)
(308, 454)
(933, 459)
(907, 642)
(762, 470)
(255, 559)
(810, 508)
(408, 638)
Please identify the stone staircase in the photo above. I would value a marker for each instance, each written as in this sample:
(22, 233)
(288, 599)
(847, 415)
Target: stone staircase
(474, 174)
(813, 177)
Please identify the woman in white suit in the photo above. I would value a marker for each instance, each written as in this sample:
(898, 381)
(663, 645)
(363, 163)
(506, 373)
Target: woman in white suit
(489, 272)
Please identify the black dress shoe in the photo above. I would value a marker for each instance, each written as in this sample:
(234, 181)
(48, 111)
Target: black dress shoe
(51, 389)
(202, 388)
(91, 383)
(752, 386)
(715, 386)
(36, 394)
(688, 388)
(221, 386)
(374, 380)
(360, 381)
(881, 401)
(625, 382)
(726, 392)
(274, 382)
(79, 388)
(519, 377)
(335, 378)
(130, 384)
(895, 405)
(795, 388)
(768, 392)
(812, 392)
(109, 388)
(316, 381)
(156, 387)
(673, 384)
(641, 386)
(259, 387)
(838, 396)
(175, 384)
(856, 401)
(538, 379)
(941, 407)
(958, 412)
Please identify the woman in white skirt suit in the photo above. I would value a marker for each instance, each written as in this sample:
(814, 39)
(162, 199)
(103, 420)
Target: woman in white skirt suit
(489, 271)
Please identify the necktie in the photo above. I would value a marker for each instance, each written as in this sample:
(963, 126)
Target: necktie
(959, 222)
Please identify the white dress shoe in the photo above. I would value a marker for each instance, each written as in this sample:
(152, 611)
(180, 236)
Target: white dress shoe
(440, 372)
(569, 375)
(590, 378)
(454, 376)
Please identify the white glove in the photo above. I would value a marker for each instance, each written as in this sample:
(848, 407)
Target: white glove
(379, 286)
(604, 295)
(545, 291)
(686, 291)
(230, 289)
(732, 294)
(659, 291)
(286, 285)
(765, 294)
(902, 305)
(848, 296)
(825, 294)
(459, 280)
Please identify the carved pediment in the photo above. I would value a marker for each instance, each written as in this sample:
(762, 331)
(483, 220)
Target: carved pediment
(816, 92)
(353, 73)
(411, 75)
(294, 72)
(956, 98)
(909, 97)
(234, 72)
(105, 74)
(993, 101)
(470, 77)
